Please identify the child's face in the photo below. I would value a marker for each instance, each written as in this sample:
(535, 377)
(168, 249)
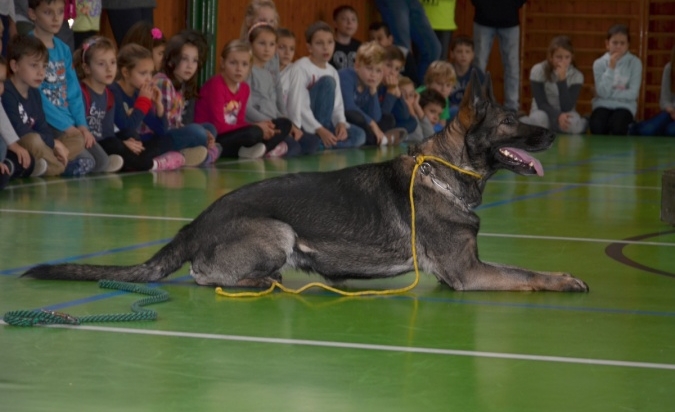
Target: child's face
(347, 23)
(158, 56)
(560, 58)
(618, 44)
(48, 17)
(30, 70)
(265, 15)
(286, 50)
(3, 77)
(369, 74)
(392, 67)
(443, 87)
(140, 74)
(462, 55)
(408, 93)
(321, 47)
(432, 111)
(264, 47)
(381, 37)
(235, 66)
(102, 68)
(188, 65)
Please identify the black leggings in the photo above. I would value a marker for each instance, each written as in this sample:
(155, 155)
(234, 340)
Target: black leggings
(250, 135)
(121, 20)
(387, 122)
(610, 121)
(132, 161)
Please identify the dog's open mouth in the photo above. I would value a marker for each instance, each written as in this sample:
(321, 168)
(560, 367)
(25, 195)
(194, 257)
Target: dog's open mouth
(519, 161)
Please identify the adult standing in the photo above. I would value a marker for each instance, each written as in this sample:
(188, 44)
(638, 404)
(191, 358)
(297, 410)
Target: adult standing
(441, 15)
(123, 14)
(410, 26)
(500, 18)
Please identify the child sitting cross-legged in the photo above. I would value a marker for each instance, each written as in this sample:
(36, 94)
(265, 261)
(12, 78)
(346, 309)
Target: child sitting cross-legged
(262, 104)
(359, 91)
(462, 54)
(441, 77)
(314, 99)
(28, 58)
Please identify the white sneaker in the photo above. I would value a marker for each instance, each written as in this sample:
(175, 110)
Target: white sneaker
(39, 168)
(384, 141)
(115, 163)
(254, 152)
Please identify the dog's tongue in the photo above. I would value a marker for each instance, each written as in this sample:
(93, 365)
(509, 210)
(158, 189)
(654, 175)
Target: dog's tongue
(527, 159)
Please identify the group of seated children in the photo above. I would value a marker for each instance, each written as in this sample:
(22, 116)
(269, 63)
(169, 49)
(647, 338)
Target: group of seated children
(139, 108)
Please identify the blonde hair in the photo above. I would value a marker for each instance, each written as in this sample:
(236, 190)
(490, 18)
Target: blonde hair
(440, 71)
(85, 53)
(370, 53)
(404, 81)
(235, 46)
(251, 13)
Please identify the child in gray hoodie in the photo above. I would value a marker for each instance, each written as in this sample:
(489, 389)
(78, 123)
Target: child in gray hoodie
(617, 76)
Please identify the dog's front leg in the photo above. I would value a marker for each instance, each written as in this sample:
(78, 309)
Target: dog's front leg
(486, 276)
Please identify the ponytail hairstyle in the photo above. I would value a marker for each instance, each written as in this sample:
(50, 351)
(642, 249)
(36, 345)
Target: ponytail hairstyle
(144, 34)
(558, 42)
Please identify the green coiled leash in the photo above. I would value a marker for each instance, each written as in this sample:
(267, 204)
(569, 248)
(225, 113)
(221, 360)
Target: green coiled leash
(47, 317)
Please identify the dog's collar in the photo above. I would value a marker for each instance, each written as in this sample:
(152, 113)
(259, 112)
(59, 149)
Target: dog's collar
(427, 170)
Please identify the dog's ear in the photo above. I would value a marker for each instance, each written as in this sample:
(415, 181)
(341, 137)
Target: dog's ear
(473, 92)
(487, 88)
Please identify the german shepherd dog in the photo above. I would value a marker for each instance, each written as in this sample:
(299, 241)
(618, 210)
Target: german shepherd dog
(355, 223)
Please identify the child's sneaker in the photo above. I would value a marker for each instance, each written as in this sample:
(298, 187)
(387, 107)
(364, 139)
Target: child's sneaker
(168, 161)
(278, 151)
(214, 154)
(10, 166)
(115, 163)
(194, 156)
(396, 136)
(39, 168)
(79, 167)
(254, 152)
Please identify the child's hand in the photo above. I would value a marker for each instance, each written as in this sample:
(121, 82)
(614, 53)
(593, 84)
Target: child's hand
(328, 138)
(210, 140)
(561, 71)
(89, 139)
(613, 59)
(268, 129)
(379, 134)
(341, 132)
(21, 153)
(564, 121)
(296, 133)
(146, 90)
(134, 145)
(4, 170)
(61, 152)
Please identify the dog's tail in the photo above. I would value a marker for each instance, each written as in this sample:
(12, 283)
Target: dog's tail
(166, 261)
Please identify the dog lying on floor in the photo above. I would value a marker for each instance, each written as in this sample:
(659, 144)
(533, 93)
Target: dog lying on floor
(355, 223)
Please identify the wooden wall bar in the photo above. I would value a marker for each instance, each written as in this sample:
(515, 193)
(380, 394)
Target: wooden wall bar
(651, 23)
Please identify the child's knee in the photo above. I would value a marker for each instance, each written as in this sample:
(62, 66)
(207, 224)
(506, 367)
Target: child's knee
(74, 142)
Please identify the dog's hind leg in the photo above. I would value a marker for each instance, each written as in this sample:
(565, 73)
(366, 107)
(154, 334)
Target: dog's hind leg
(250, 253)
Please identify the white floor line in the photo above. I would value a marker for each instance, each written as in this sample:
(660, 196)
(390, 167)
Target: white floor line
(363, 346)
(485, 234)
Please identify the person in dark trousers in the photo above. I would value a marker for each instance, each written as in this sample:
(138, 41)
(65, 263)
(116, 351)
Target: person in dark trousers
(123, 14)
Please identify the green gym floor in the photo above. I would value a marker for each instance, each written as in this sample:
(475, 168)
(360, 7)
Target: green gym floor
(595, 214)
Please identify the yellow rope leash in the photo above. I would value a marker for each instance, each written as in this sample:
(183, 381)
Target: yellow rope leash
(419, 160)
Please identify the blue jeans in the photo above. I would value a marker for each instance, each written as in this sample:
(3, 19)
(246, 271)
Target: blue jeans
(660, 125)
(509, 42)
(322, 102)
(191, 135)
(409, 25)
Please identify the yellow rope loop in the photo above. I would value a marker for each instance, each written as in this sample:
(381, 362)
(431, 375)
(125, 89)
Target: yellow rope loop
(419, 160)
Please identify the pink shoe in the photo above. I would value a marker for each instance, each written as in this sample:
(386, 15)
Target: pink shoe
(278, 151)
(168, 161)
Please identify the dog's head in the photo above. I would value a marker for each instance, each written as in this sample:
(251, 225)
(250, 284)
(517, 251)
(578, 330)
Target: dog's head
(486, 137)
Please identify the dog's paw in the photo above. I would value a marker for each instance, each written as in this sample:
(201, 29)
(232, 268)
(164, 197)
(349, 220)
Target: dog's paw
(571, 284)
